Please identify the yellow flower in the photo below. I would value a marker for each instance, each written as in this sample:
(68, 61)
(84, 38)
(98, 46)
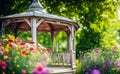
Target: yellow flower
(5, 57)
(19, 46)
(7, 46)
(18, 52)
(24, 56)
(6, 50)
(11, 37)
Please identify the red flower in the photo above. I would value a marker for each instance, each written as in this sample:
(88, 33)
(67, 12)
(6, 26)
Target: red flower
(10, 45)
(22, 43)
(31, 48)
(39, 68)
(24, 52)
(3, 65)
(32, 42)
(49, 50)
(10, 40)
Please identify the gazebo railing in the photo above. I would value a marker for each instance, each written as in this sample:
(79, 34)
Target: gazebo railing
(59, 58)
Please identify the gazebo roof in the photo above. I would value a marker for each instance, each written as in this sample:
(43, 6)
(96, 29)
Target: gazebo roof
(36, 10)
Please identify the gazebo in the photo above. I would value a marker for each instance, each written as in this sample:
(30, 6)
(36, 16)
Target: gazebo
(36, 19)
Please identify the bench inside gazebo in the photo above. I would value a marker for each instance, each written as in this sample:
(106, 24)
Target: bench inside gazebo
(37, 20)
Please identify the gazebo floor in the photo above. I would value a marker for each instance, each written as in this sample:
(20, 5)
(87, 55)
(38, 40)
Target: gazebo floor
(61, 70)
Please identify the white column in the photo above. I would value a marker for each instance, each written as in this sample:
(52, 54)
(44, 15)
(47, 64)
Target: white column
(34, 24)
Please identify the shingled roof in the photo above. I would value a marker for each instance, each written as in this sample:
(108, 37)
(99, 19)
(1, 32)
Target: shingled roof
(36, 10)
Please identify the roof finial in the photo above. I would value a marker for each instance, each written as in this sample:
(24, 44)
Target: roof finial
(36, 6)
(35, 1)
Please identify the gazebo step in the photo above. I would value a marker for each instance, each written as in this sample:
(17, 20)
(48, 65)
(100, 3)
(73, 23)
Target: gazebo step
(61, 70)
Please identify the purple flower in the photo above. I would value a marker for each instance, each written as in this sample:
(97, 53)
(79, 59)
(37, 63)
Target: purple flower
(36, 72)
(45, 71)
(107, 63)
(118, 64)
(86, 72)
(95, 71)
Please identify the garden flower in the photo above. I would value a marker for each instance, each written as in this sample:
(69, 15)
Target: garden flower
(118, 64)
(20, 58)
(3, 65)
(36, 72)
(6, 50)
(10, 40)
(45, 71)
(49, 50)
(97, 51)
(13, 45)
(22, 43)
(86, 72)
(19, 41)
(32, 42)
(38, 65)
(24, 52)
(95, 71)
(1, 52)
(24, 72)
(32, 48)
(5, 57)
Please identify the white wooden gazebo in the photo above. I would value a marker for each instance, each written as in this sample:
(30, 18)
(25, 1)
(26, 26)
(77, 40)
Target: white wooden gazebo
(36, 19)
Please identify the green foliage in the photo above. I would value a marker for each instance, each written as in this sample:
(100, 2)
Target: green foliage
(8, 7)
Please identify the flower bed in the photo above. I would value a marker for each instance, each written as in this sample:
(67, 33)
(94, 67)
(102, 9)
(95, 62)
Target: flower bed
(19, 57)
(99, 61)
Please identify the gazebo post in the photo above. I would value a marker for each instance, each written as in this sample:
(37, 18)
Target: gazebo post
(73, 50)
(72, 47)
(3, 28)
(34, 31)
(52, 37)
(34, 25)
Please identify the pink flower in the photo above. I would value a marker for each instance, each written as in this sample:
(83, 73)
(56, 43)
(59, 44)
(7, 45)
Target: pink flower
(3, 65)
(13, 45)
(19, 40)
(22, 43)
(24, 72)
(118, 64)
(49, 50)
(97, 51)
(1, 52)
